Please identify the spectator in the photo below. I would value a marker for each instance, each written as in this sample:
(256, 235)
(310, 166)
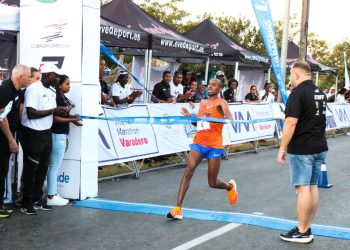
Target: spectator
(121, 93)
(60, 131)
(103, 84)
(9, 92)
(252, 96)
(265, 95)
(220, 75)
(37, 117)
(201, 92)
(231, 92)
(331, 95)
(161, 91)
(176, 88)
(341, 96)
(192, 92)
(185, 80)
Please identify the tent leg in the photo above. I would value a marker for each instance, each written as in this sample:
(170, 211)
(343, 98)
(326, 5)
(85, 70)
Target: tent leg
(206, 71)
(149, 70)
(145, 97)
(236, 71)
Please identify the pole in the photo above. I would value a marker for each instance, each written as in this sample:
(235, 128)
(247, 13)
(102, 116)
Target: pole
(285, 38)
(206, 71)
(317, 78)
(269, 75)
(304, 30)
(145, 77)
(236, 71)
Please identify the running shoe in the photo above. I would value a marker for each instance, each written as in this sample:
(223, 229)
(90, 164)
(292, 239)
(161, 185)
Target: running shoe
(175, 213)
(232, 194)
(295, 236)
(4, 213)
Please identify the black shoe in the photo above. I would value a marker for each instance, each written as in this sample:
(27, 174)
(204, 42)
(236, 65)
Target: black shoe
(39, 205)
(295, 236)
(28, 210)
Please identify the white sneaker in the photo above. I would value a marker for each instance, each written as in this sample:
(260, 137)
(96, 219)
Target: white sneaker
(66, 200)
(56, 201)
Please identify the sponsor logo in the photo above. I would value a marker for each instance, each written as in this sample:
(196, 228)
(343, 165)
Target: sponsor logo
(50, 37)
(53, 32)
(63, 178)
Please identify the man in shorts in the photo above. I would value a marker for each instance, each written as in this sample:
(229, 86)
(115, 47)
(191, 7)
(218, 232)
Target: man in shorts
(207, 143)
(304, 139)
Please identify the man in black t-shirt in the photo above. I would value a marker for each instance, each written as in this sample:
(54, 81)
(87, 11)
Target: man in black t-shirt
(9, 91)
(161, 91)
(304, 139)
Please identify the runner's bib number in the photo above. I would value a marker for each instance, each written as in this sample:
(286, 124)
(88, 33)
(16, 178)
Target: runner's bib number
(203, 125)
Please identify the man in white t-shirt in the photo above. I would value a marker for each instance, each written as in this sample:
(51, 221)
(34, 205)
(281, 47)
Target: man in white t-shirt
(121, 92)
(177, 89)
(265, 95)
(36, 138)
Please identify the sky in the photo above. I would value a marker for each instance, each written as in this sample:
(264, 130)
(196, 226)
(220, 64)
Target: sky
(329, 19)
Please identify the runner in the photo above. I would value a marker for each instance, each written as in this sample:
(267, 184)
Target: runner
(208, 144)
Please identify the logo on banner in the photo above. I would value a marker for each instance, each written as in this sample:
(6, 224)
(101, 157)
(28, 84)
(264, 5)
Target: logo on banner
(237, 127)
(190, 130)
(53, 31)
(51, 34)
(63, 178)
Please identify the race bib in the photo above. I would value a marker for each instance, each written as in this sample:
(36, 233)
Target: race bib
(203, 125)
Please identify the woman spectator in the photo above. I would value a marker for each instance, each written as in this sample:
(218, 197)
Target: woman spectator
(192, 92)
(60, 131)
(341, 96)
(252, 96)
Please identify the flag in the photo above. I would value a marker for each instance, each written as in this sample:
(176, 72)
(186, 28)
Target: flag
(267, 29)
(346, 73)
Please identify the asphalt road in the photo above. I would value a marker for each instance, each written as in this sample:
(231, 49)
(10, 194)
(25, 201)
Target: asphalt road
(263, 187)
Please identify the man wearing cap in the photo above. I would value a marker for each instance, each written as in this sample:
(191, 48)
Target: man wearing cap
(220, 75)
(120, 92)
(9, 91)
(37, 118)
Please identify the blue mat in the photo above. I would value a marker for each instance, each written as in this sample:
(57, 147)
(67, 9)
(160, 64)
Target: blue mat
(197, 214)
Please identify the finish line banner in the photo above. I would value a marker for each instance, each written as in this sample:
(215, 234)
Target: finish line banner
(121, 140)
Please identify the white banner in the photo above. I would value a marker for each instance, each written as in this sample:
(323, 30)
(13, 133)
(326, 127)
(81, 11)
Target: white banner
(168, 139)
(120, 140)
(341, 114)
(56, 38)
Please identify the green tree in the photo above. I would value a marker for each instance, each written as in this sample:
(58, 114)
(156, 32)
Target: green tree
(166, 12)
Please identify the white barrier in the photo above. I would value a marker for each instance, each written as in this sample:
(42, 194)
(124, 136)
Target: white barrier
(123, 142)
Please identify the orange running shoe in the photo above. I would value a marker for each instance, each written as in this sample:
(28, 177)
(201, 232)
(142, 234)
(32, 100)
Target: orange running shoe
(175, 213)
(232, 194)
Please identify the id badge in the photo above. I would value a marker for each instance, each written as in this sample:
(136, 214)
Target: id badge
(203, 125)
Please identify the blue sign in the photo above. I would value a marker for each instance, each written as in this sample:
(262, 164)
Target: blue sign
(263, 15)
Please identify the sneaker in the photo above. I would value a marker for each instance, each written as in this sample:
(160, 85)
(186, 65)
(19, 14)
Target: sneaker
(175, 213)
(232, 194)
(39, 205)
(28, 210)
(4, 213)
(56, 201)
(295, 236)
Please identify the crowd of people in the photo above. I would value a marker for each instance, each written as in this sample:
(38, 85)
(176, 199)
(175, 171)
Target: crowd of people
(39, 120)
(179, 87)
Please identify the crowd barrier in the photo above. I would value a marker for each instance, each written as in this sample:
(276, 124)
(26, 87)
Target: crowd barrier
(123, 141)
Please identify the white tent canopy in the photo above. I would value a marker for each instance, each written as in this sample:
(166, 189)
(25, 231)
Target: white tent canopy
(9, 18)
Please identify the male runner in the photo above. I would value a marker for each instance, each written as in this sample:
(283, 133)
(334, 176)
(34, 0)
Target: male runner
(208, 144)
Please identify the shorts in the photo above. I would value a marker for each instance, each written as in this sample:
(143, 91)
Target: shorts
(305, 169)
(207, 152)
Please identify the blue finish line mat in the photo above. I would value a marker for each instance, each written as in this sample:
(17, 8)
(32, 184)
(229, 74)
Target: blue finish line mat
(198, 214)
